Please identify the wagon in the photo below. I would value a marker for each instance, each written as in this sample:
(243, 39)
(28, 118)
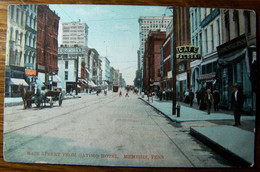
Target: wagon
(48, 96)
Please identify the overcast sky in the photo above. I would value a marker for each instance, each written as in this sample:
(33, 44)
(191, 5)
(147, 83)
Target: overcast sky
(113, 31)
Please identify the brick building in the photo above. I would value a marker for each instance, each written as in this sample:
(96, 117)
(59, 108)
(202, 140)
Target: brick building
(152, 60)
(181, 37)
(47, 45)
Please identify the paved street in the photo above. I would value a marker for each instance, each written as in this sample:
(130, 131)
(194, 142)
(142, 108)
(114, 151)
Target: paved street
(102, 130)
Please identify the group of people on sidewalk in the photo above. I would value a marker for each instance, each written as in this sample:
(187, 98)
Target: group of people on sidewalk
(205, 99)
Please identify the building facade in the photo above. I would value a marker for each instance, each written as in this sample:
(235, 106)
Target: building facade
(182, 37)
(105, 71)
(147, 23)
(74, 33)
(20, 47)
(72, 72)
(152, 60)
(237, 55)
(47, 45)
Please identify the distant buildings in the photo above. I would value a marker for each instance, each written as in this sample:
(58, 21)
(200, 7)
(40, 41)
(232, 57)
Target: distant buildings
(147, 24)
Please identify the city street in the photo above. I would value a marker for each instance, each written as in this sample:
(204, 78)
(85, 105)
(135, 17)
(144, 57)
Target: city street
(102, 130)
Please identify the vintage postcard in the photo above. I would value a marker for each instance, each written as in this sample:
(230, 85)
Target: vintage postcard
(139, 86)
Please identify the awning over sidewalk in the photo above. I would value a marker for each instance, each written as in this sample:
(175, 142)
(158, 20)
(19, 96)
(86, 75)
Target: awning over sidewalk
(56, 78)
(17, 81)
(84, 82)
(91, 84)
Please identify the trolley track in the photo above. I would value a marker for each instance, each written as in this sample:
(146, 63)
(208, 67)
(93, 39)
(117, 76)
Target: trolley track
(83, 105)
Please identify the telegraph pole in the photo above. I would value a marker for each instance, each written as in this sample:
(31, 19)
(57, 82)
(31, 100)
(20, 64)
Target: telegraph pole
(173, 65)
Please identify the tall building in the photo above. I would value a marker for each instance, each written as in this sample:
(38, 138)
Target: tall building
(74, 33)
(147, 23)
(152, 60)
(15, 49)
(47, 45)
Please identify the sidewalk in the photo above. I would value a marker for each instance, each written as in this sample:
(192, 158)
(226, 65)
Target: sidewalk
(14, 101)
(231, 142)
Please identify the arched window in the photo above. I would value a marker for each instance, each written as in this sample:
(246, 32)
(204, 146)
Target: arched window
(27, 18)
(18, 15)
(31, 20)
(11, 33)
(16, 36)
(12, 12)
(21, 38)
(26, 38)
(30, 40)
(34, 41)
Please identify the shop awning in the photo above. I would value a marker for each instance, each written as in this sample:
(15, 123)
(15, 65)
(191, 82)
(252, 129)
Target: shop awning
(29, 72)
(208, 76)
(17, 81)
(56, 78)
(91, 84)
(84, 82)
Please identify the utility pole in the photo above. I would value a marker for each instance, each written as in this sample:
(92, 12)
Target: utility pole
(173, 64)
(77, 71)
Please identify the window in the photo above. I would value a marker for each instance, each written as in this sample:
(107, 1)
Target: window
(212, 38)
(12, 12)
(218, 32)
(11, 34)
(66, 64)
(247, 22)
(236, 20)
(18, 15)
(206, 41)
(66, 75)
(227, 28)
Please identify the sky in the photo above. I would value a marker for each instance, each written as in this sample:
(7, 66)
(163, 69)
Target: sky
(113, 31)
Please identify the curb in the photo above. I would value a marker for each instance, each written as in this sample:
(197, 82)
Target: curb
(225, 153)
(158, 110)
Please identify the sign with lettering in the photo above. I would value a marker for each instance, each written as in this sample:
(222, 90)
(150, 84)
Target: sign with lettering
(188, 52)
(233, 45)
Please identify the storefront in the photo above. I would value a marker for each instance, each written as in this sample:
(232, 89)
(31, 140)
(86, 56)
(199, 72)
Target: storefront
(234, 67)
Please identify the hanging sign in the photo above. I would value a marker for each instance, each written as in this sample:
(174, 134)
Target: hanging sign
(188, 52)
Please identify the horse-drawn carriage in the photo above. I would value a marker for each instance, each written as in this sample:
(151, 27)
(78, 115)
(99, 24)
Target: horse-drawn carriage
(47, 96)
(39, 96)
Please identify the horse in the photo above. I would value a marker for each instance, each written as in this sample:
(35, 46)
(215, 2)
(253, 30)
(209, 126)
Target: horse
(26, 96)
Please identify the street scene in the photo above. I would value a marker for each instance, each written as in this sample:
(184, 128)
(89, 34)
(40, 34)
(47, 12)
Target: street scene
(125, 131)
(131, 86)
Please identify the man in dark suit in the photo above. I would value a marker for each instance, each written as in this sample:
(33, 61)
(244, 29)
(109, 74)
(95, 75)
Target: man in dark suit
(237, 101)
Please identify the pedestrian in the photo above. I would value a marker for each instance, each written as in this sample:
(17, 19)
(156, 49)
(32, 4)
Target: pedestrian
(202, 97)
(237, 101)
(186, 96)
(150, 95)
(216, 97)
(126, 94)
(198, 97)
(120, 93)
(160, 95)
(209, 100)
(163, 94)
(191, 97)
